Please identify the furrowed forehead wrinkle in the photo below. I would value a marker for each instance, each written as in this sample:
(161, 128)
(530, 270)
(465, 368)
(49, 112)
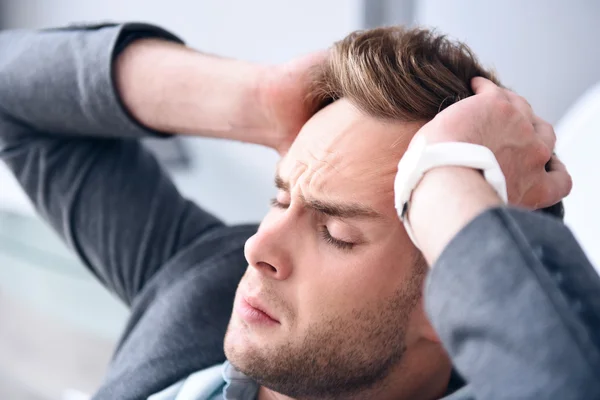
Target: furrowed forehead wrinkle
(332, 209)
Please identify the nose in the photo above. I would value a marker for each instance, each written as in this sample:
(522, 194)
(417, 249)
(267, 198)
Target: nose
(269, 251)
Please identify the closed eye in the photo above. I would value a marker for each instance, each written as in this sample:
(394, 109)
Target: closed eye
(324, 232)
(277, 204)
(340, 244)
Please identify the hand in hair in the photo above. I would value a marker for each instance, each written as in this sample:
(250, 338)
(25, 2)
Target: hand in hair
(522, 142)
(284, 95)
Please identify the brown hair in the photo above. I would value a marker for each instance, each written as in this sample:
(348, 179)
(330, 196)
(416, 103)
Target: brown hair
(397, 73)
(400, 74)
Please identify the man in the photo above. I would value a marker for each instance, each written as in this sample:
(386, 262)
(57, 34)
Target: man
(330, 305)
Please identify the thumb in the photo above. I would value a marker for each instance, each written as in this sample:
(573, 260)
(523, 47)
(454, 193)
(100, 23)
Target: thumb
(482, 85)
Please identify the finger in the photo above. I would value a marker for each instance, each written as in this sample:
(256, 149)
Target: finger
(309, 66)
(555, 165)
(560, 185)
(545, 132)
(313, 58)
(318, 57)
(521, 104)
(482, 85)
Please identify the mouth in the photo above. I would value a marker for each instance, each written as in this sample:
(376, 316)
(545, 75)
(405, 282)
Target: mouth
(252, 311)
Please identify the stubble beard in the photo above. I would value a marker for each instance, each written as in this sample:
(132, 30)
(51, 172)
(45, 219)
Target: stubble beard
(338, 358)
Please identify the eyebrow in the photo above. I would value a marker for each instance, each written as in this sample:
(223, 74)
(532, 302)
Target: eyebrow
(332, 209)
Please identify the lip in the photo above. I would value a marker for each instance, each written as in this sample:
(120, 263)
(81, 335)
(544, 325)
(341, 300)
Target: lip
(252, 311)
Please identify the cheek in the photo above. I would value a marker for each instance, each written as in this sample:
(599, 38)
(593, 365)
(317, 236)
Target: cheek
(345, 285)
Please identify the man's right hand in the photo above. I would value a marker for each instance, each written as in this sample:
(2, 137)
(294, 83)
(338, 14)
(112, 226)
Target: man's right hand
(283, 94)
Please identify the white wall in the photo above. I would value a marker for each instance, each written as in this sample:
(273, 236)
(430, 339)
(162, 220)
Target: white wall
(546, 50)
(578, 148)
(231, 179)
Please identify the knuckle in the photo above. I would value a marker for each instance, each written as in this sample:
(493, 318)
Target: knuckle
(544, 153)
(552, 135)
(536, 158)
(504, 108)
(545, 124)
(525, 102)
(506, 92)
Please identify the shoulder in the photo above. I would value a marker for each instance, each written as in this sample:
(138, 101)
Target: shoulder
(178, 323)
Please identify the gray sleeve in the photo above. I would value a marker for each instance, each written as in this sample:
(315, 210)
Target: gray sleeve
(75, 151)
(517, 305)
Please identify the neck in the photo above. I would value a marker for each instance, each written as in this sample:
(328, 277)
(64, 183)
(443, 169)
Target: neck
(423, 374)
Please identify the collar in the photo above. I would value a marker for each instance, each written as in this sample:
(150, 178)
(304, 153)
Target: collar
(238, 385)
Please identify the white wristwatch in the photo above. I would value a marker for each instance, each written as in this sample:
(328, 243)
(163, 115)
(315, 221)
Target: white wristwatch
(421, 157)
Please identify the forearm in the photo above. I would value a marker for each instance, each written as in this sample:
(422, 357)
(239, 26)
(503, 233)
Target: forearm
(171, 88)
(445, 201)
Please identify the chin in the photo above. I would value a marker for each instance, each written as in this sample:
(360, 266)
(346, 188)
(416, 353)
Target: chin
(240, 340)
(249, 350)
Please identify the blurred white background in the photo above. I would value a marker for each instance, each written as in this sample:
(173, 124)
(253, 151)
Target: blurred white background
(545, 50)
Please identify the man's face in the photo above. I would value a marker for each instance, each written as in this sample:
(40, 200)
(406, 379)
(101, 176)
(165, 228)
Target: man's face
(331, 264)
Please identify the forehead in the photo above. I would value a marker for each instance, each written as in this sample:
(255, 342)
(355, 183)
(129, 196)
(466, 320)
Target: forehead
(342, 154)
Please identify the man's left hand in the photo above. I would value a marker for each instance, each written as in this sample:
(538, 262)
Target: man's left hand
(284, 98)
(522, 142)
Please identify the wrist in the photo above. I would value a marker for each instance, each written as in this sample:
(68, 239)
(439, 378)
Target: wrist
(269, 98)
(446, 200)
(226, 99)
(248, 120)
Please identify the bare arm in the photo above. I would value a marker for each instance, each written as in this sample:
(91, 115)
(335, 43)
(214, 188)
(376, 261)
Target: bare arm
(171, 88)
(73, 148)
